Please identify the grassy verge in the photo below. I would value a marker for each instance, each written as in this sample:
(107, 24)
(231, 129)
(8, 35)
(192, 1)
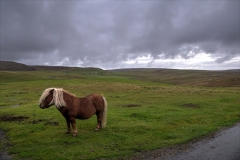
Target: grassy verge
(142, 115)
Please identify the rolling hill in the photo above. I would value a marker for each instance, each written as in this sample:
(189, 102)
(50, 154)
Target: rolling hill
(14, 66)
(226, 78)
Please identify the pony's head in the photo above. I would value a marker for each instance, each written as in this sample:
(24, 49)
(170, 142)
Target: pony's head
(52, 96)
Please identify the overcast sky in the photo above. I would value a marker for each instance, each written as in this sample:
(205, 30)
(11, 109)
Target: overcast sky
(183, 34)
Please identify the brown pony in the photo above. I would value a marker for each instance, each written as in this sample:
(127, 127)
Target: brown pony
(72, 107)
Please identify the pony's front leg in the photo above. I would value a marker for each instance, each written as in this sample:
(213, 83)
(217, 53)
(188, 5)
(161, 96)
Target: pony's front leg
(68, 126)
(73, 123)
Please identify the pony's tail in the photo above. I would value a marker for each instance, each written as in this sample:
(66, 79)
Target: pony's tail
(104, 116)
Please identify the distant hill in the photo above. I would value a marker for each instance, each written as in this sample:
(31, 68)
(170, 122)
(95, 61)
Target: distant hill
(14, 66)
(226, 78)
(54, 68)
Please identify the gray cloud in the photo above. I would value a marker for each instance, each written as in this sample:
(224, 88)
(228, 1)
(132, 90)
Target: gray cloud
(107, 33)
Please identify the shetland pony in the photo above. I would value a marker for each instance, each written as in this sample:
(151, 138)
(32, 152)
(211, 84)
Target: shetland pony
(72, 107)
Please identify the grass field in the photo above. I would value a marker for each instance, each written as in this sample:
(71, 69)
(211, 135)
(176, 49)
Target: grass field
(146, 110)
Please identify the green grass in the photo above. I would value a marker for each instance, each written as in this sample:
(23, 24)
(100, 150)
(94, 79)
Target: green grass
(142, 114)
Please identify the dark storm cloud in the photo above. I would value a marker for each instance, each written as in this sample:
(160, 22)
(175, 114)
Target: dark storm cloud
(105, 33)
(30, 29)
(174, 25)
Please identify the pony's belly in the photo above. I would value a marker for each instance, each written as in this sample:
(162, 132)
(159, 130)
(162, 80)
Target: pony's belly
(83, 116)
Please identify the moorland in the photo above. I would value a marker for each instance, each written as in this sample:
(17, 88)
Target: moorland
(147, 109)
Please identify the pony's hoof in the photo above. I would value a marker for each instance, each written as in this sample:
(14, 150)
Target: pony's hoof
(96, 129)
(74, 135)
(68, 132)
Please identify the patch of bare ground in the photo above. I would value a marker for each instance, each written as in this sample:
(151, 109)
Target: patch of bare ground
(4, 145)
(51, 123)
(129, 105)
(190, 105)
(10, 118)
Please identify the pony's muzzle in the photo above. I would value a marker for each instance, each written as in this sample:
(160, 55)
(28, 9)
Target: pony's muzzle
(41, 106)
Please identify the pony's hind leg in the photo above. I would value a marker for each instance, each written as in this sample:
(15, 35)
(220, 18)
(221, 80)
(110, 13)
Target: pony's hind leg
(99, 119)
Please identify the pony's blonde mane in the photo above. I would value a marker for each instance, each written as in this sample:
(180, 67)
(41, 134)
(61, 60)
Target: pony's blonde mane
(57, 100)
